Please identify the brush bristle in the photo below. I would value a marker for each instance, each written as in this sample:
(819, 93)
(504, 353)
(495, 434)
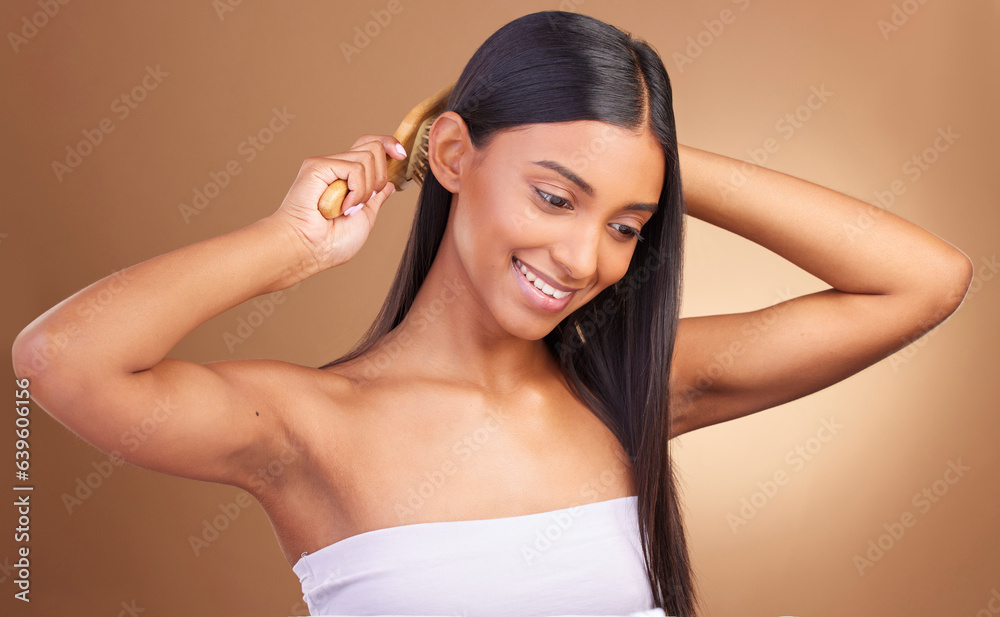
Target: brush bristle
(416, 168)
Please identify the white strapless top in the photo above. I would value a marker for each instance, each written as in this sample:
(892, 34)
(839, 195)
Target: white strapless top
(584, 560)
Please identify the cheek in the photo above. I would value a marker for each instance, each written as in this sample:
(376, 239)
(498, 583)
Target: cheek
(484, 232)
(491, 219)
(617, 269)
(613, 266)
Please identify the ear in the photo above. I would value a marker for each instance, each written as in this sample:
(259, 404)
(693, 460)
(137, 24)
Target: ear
(449, 148)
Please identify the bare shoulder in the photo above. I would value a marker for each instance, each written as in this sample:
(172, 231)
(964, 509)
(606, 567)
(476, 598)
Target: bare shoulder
(305, 420)
(289, 403)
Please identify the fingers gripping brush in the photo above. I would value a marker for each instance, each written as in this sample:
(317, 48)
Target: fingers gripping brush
(413, 134)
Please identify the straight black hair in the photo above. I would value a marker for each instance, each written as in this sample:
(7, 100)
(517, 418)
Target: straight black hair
(615, 351)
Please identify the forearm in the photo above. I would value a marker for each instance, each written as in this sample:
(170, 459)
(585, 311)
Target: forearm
(854, 246)
(130, 320)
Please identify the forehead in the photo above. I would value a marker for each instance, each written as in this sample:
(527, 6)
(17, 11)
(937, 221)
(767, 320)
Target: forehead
(609, 158)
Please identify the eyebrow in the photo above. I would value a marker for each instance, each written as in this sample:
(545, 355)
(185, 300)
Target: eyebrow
(587, 188)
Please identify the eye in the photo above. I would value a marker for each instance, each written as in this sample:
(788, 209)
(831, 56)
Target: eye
(628, 232)
(553, 200)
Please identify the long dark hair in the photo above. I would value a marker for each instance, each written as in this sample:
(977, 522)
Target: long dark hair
(556, 66)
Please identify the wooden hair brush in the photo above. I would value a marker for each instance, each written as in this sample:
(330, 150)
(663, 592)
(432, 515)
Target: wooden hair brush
(413, 133)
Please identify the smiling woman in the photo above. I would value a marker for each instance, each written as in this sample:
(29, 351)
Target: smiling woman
(498, 442)
(557, 143)
(571, 238)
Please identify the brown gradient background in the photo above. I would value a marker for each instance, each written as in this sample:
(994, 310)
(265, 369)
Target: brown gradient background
(903, 419)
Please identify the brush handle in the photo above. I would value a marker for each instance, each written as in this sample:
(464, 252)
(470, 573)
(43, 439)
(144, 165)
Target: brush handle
(332, 199)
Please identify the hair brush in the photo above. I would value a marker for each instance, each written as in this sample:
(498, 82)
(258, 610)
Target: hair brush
(413, 134)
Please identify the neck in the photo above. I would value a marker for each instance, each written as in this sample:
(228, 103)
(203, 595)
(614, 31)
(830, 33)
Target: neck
(448, 334)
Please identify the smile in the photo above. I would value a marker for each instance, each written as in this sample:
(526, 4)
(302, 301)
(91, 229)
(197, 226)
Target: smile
(547, 289)
(539, 292)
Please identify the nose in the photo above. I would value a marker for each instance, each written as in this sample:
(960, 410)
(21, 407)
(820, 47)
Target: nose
(576, 252)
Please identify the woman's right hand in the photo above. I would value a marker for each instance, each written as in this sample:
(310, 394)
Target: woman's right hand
(332, 242)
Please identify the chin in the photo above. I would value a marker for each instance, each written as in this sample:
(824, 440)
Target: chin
(528, 331)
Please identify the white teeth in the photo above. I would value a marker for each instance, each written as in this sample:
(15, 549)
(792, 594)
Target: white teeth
(541, 285)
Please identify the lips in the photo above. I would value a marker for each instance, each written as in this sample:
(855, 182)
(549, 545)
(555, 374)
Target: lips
(549, 296)
(549, 288)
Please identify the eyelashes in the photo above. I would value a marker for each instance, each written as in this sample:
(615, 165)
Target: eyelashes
(630, 232)
(549, 197)
(558, 202)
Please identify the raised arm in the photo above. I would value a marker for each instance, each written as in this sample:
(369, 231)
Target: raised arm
(97, 360)
(891, 282)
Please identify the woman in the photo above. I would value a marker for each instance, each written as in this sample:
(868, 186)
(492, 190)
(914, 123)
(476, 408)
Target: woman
(528, 367)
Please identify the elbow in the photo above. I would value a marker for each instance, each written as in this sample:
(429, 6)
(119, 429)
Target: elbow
(50, 348)
(949, 281)
(35, 348)
(36, 351)
(37, 356)
(959, 276)
(21, 353)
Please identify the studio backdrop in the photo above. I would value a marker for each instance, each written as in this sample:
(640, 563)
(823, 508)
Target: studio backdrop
(131, 129)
